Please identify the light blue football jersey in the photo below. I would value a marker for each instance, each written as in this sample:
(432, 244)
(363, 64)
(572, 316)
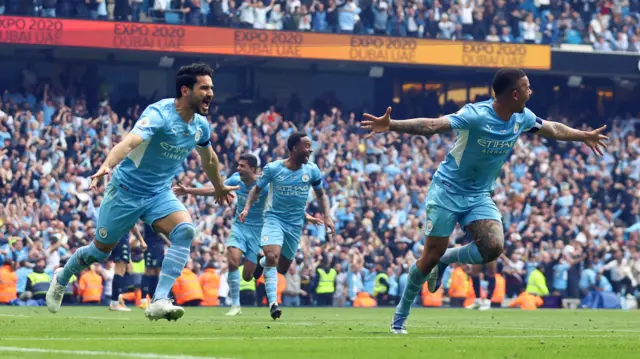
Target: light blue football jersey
(483, 144)
(256, 213)
(168, 141)
(289, 190)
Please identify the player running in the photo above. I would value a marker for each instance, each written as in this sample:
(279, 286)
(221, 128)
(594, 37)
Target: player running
(164, 136)
(153, 256)
(461, 188)
(289, 182)
(245, 237)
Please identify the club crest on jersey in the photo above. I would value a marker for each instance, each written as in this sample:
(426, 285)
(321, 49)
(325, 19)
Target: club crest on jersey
(516, 128)
(144, 122)
(102, 232)
(265, 239)
(198, 135)
(305, 178)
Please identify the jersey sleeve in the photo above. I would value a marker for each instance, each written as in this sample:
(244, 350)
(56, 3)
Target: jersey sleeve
(149, 123)
(234, 180)
(464, 119)
(532, 123)
(205, 137)
(316, 178)
(266, 176)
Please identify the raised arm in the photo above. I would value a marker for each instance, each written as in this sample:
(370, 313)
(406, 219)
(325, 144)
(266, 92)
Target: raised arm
(561, 132)
(415, 126)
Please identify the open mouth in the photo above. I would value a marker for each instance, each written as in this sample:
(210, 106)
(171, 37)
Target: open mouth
(206, 102)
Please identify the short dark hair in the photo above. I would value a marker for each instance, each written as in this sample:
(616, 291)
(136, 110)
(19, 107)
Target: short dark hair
(188, 76)
(294, 139)
(251, 159)
(506, 80)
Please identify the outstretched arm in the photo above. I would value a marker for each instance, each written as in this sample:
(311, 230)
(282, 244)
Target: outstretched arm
(558, 131)
(181, 190)
(415, 126)
(421, 126)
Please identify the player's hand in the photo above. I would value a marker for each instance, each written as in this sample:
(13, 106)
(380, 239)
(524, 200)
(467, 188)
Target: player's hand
(224, 194)
(331, 227)
(143, 245)
(314, 220)
(180, 190)
(243, 215)
(102, 172)
(376, 124)
(595, 140)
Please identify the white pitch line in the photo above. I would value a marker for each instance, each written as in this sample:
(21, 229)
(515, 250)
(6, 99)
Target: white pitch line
(369, 337)
(100, 353)
(50, 316)
(367, 324)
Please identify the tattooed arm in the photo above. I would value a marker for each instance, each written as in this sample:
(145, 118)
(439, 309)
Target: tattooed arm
(416, 126)
(558, 131)
(561, 132)
(421, 126)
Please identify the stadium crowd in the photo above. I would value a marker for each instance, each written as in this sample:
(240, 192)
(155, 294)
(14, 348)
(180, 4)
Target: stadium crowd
(608, 25)
(572, 220)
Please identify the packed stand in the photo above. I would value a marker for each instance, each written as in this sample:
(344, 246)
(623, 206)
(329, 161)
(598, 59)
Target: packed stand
(571, 220)
(606, 25)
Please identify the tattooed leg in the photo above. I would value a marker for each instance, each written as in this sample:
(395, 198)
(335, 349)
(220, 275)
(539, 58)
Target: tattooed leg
(487, 245)
(489, 237)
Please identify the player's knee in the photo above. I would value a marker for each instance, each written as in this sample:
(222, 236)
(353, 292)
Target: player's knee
(234, 263)
(435, 249)
(183, 234)
(493, 251)
(271, 258)
(247, 276)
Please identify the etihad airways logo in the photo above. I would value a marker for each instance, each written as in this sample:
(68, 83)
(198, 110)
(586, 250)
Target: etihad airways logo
(174, 152)
(493, 147)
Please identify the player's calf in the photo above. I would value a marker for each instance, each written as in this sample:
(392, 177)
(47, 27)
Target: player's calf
(176, 258)
(272, 255)
(82, 259)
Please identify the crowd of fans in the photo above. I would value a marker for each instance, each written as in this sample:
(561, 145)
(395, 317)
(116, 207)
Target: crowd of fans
(606, 24)
(571, 215)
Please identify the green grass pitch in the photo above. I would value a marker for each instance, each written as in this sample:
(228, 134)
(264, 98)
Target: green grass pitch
(94, 332)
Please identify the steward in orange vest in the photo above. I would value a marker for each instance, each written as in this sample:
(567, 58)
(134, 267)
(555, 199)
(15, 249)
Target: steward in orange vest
(499, 291)
(187, 289)
(210, 283)
(90, 285)
(526, 301)
(431, 299)
(8, 282)
(459, 287)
